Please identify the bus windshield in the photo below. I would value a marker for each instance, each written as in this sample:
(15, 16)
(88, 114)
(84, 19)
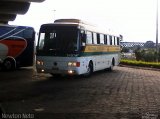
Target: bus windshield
(58, 39)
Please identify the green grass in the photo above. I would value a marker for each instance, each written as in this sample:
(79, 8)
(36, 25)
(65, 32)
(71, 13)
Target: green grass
(140, 63)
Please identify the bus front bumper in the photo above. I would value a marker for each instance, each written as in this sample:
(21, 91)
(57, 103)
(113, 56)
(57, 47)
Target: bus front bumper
(63, 72)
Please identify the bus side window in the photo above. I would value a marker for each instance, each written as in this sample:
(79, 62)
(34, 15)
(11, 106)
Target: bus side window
(94, 38)
(105, 39)
(98, 39)
(83, 37)
(113, 43)
(108, 40)
(89, 37)
(110, 37)
(115, 40)
(118, 43)
(101, 39)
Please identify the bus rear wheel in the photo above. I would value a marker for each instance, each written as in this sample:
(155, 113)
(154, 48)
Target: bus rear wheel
(8, 65)
(112, 65)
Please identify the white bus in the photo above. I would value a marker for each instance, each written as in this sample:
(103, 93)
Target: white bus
(71, 46)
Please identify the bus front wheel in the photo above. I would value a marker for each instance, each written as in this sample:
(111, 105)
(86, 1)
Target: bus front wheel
(89, 70)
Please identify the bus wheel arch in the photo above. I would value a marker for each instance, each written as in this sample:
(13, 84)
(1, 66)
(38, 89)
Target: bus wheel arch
(89, 69)
(112, 65)
(9, 64)
(113, 61)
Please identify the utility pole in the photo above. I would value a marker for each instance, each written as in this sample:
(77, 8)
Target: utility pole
(157, 49)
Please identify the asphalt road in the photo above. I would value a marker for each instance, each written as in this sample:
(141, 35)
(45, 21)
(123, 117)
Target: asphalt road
(125, 93)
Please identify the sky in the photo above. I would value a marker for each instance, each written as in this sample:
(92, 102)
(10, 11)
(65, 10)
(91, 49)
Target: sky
(134, 19)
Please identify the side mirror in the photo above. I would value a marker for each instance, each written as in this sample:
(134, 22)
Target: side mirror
(83, 36)
(83, 44)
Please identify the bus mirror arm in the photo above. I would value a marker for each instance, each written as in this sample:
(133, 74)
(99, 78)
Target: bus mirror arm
(83, 46)
(36, 48)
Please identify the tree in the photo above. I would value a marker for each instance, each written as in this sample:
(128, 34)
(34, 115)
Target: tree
(125, 49)
(149, 55)
(138, 53)
(149, 44)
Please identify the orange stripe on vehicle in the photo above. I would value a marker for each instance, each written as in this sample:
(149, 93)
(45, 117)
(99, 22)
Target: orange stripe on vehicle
(15, 47)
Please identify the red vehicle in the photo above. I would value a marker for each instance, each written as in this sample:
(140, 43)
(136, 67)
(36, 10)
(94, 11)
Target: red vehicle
(17, 46)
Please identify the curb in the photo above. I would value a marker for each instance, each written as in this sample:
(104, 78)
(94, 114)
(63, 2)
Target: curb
(136, 67)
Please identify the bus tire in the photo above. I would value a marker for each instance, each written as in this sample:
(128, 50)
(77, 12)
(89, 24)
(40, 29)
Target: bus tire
(89, 70)
(112, 65)
(9, 64)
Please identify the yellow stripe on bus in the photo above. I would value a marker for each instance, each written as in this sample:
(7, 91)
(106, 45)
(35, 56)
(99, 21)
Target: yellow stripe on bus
(101, 48)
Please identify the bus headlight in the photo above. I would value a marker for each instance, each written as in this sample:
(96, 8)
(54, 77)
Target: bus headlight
(40, 62)
(74, 64)
(70, 72)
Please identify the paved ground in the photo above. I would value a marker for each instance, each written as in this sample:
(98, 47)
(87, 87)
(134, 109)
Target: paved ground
(125, 93)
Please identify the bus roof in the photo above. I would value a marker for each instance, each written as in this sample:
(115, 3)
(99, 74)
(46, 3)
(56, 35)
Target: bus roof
(14, 26)
(76, 21)
(82, 24)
